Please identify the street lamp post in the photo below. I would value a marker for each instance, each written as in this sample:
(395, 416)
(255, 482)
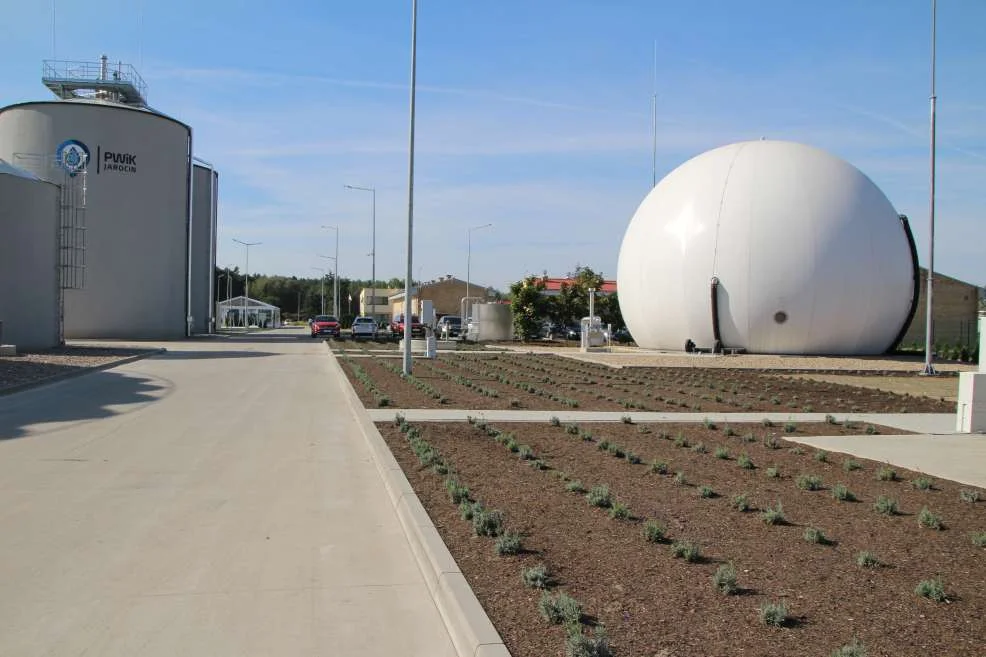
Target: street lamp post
(373, 247)
(321, 287)
(929, 368)
(410, 189)
(335, 282)
(335, 285)
(469, 259)
(246, 279)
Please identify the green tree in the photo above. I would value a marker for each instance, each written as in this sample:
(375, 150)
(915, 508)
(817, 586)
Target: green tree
(527, 303)
(572, 302)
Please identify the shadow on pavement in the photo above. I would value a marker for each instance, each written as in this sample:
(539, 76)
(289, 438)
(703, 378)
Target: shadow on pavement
(81, 399)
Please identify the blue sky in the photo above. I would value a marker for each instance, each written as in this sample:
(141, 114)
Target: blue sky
(533, 115)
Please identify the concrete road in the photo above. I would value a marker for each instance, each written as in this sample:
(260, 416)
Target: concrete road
(216, 500)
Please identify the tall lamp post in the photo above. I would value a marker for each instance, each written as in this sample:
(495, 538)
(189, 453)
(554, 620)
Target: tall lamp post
(373, 246)
(929, 368)
(335, 276)
(469, 260)
(246, 279)
(335, 285)
(321, 287)
(410, 188)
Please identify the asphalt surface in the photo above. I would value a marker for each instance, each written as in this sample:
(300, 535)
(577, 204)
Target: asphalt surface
(215, 500)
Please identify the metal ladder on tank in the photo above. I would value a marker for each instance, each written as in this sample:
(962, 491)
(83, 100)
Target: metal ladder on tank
(71, 234)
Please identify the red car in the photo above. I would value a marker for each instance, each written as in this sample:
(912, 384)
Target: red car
(397, 326)
(326, 325)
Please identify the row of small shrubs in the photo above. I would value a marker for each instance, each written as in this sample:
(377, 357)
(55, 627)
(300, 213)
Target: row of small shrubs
(371, 387)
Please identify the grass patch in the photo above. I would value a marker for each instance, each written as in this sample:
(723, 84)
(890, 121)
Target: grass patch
(969, 495)
(928, 519)
(854, 649)
(979, 539)
(933, 589)
(575, 486)
(619, 511)
(816, 536)
(886, 473)
(554, 421)
(560, 609)
(821, 456)
(808, 482)
(843, 494)
(658, 466)
(487, 523)
(886, 505)
(722, 453)
(679, 478)
(922, 483)
(686, 550)
(706, 492)
(773, 614)
(724, 579)
(773, 515)
(770, 442)
(745, 462)
(867, 559)
(850, 465)
(654, 532)
(773, 472)
(599, 496)
(740, 502)
(508, 543)
(700, 448)
(536, 577)
(790, 427)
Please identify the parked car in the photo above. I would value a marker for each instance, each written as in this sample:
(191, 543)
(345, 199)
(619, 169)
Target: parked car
(397, 326)
(364, 327)
(573, 332)
(326, 325)
(450, 325)
(622, 335)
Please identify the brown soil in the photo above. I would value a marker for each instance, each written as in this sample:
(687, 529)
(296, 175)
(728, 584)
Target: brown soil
(36, 367)
(547, 382)
(653, 604)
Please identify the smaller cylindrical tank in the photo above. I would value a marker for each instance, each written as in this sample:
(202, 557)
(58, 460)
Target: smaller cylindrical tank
(29, 286)
(494, 321)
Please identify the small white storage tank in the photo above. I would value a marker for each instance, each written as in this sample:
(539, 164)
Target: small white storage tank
(29, 286)
(769, 246)
(493, 320)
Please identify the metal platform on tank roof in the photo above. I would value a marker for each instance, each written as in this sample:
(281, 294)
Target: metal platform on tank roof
(71, 79)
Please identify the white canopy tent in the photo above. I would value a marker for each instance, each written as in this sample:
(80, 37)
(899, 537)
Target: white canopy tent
(241, 311)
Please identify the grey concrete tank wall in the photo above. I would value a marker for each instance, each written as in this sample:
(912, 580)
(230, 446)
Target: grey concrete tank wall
(205, 188)
(494, 320)
(29, 262)
(137, 212)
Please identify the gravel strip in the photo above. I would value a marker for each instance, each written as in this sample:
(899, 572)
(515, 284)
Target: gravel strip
(36, 367)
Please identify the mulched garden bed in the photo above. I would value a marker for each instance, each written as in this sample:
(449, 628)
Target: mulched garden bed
(651, 603)
(547, 382)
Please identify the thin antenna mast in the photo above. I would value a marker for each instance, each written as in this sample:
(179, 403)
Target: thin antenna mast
(654, 122)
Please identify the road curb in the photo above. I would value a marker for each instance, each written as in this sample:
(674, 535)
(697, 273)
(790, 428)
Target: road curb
(82, 371)
(467, 623)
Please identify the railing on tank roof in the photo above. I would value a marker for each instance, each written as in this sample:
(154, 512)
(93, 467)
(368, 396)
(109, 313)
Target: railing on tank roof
(71, 79)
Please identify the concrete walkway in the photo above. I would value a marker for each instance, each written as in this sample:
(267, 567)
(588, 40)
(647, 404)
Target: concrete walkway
(216, 500)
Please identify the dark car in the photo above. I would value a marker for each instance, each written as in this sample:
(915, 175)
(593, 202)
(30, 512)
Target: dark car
(326, 325)
(622, 335)
(451, 323)
(573, 332)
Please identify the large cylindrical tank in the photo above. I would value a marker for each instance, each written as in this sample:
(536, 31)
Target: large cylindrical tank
(29, 286)
(769, 246)
(205, 187)
(138, 165)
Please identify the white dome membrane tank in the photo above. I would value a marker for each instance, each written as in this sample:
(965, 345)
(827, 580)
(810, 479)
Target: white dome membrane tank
(768, 246)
